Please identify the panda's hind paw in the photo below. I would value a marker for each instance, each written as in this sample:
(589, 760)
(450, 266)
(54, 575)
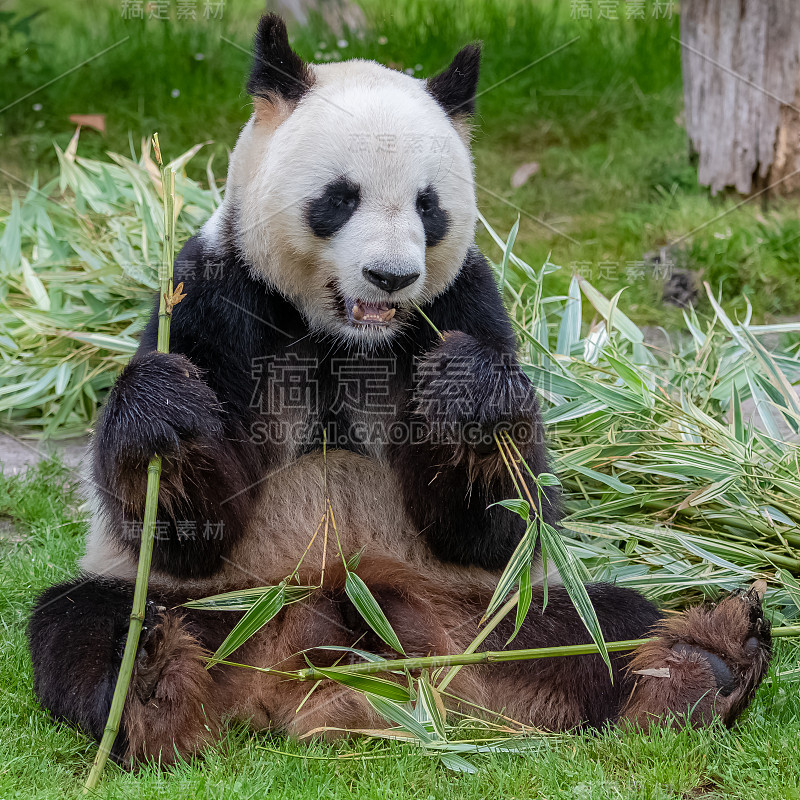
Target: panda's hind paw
(152, 652)
(707, 661)
(172, 703)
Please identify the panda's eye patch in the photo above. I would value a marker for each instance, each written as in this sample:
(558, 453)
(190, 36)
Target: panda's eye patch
(329, 212)
(434, 217)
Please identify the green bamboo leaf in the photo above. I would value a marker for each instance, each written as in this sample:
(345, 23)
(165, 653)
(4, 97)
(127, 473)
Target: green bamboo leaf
(28, 394)
(791, 585)
(245, 599)
(616, 397)
(569, 332)
(764, 409)
(368, 684)
(632, 377)
(607, 480)
(732, 329)
(12, 238)
(512, 237)
(537, 341)
(545, 591)
(366, 605)
(606, 309)
(518, 262)
(34, 285)
(566, 565)
(116, 344)
(520, 507)
(337, 648)
(553, 382)
(789, 486)
(692, 323)
(710, 557)
(520, 560)
(430, 701)
(63, 373)
(524, 602)
(774, 373)
(260, 613)
(539, 337)
(576, 409)
(457, 763)
(400, 716)
(594, 344)
(355, 560)
(543, 478)
(177, 164)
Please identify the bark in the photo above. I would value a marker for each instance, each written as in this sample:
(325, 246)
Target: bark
(741, 74)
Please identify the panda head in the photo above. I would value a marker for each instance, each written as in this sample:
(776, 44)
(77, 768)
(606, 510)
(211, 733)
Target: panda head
(351, 187)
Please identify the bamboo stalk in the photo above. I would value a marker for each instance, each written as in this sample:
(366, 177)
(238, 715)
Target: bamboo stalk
(490, 657)
(479, 639)
(166, 302)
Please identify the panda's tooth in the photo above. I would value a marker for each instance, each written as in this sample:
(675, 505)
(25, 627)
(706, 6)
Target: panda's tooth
(389, 315)
(358, 313)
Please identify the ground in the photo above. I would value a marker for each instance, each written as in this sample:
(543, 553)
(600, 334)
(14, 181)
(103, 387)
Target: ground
(41, 530)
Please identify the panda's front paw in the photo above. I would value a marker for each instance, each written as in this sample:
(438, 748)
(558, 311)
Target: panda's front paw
(468, 394)
(159, 403)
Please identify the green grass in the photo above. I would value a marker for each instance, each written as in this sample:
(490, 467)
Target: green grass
(39, 759)
(601, 117)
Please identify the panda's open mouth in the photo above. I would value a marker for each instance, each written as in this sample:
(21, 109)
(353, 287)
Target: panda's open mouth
(363, 314)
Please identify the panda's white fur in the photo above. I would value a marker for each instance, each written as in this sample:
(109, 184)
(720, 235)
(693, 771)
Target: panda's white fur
(381, 129)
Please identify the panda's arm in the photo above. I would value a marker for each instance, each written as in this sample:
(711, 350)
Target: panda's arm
(190, 406)
(468, 387)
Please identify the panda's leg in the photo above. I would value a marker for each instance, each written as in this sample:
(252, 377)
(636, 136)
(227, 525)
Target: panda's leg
(421, 615)
(77, 635)
(561, 693)
(705, 662)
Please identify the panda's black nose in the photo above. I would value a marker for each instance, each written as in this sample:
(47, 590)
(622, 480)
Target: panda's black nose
(389, 281)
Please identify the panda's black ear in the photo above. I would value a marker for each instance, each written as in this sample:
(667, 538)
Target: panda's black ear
(278, 72)
(454, 89)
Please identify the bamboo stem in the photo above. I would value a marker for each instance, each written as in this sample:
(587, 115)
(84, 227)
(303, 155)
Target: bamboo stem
(479, 639)
(491, 657)
(151, 499)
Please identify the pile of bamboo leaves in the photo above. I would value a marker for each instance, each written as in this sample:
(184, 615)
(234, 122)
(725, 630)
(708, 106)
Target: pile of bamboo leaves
(79, 261)
(681, 463)
(679, 460)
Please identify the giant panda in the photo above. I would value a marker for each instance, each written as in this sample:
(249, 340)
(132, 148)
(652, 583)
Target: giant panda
(342, 350)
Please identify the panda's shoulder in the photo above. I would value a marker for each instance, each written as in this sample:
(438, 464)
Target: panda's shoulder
(224, 308)
(472, 303)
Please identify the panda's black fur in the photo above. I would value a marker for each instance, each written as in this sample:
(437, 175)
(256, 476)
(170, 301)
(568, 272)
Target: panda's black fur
(228, 322)
(206, 408)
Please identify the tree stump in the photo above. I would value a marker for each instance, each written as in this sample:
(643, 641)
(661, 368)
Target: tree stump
(741, 77)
